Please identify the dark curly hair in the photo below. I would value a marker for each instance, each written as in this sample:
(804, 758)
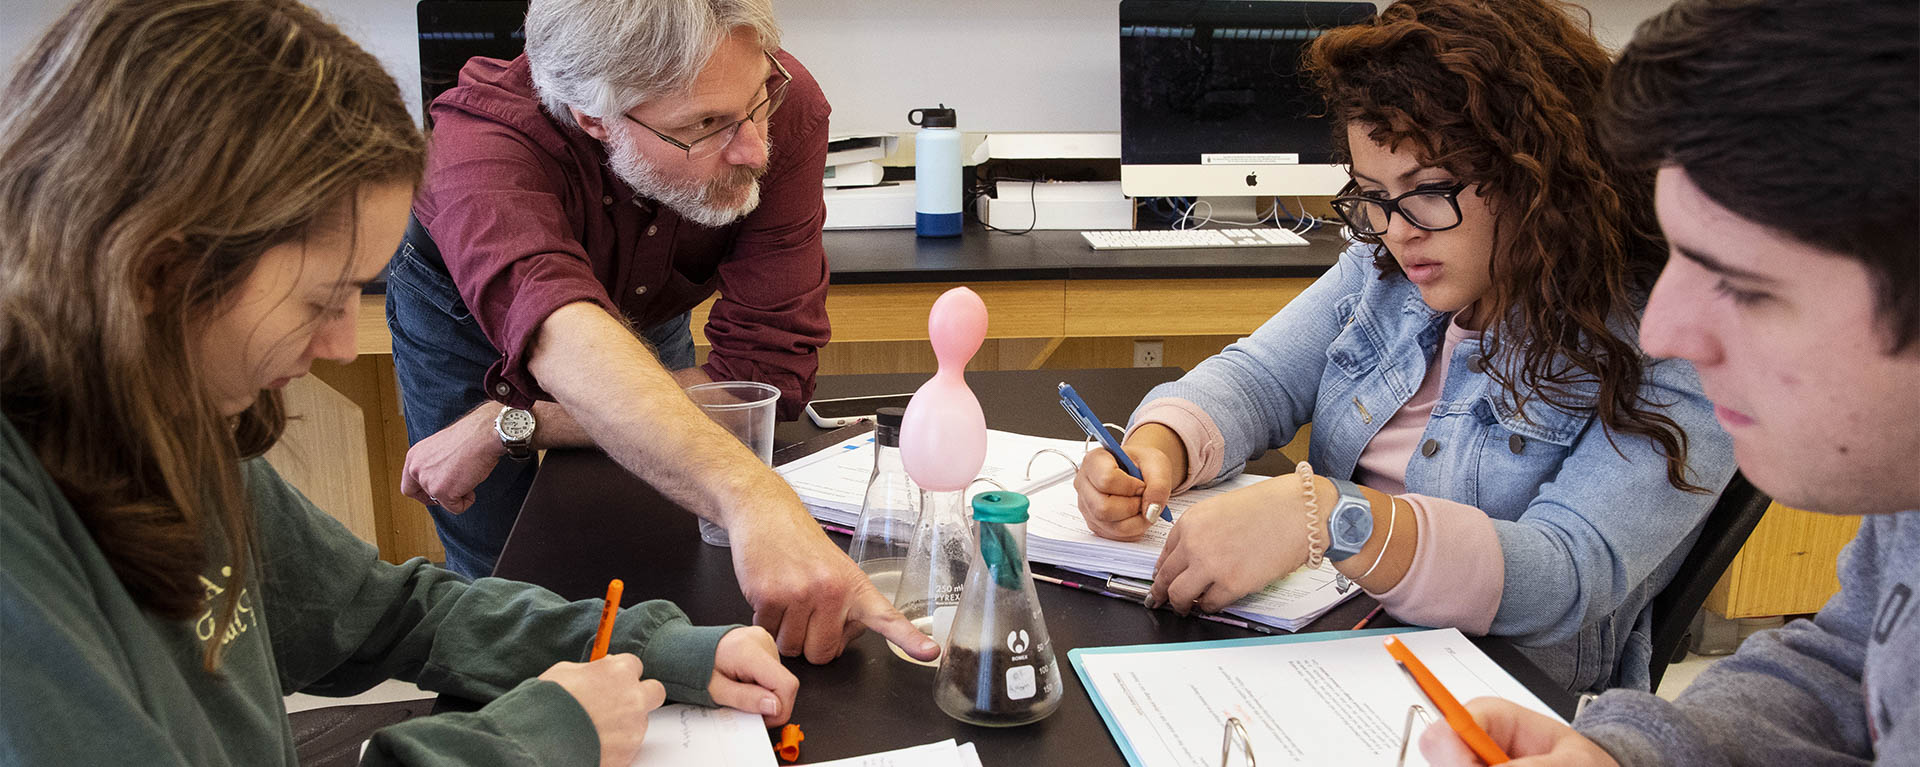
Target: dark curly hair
(1500, 94)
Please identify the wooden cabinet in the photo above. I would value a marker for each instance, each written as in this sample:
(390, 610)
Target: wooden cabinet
(1787, 566)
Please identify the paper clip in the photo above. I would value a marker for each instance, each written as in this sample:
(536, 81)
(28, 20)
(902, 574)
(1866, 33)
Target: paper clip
(1231, 731)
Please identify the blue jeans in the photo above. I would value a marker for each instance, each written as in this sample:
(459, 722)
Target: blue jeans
(439, 359)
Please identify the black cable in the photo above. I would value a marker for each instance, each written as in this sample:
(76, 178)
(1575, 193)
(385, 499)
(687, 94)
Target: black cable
(1033, 202)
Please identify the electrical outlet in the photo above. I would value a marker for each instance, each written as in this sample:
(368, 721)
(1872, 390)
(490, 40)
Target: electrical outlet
(1147, 354)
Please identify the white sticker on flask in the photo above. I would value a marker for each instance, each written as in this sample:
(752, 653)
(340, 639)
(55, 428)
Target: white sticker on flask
(1020, 683)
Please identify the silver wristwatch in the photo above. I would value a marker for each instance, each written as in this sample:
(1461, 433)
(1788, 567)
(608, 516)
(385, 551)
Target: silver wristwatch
(515, 427)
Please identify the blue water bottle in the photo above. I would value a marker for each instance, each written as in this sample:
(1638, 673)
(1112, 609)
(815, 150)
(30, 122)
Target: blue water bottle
(936, 172)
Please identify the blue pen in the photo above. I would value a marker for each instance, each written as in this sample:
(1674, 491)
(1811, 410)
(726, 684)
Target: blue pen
(1071, 402)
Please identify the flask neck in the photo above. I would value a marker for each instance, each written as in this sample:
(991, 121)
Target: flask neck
(1003, 549)
(886, 459)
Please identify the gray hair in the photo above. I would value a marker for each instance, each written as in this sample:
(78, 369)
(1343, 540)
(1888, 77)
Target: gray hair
(604, 57)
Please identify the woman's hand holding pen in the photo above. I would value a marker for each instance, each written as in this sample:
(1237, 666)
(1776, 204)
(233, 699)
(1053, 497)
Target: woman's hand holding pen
(1118, 506)
(747, 676)
(1530, 737)
(1229, 546)
(616, 700)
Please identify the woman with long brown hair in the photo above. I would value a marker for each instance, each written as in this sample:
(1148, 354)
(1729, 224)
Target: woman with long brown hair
(192, 193)
(1490, 449)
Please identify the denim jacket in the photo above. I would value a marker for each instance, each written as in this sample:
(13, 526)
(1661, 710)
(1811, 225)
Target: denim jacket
(1589, 526)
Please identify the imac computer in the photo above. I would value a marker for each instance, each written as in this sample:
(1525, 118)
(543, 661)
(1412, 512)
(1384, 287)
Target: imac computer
(1213, 102)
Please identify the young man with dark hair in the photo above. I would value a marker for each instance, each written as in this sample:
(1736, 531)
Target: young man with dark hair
(1787, 137)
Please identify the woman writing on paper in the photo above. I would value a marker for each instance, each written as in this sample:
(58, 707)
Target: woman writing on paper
(192, 193)
(1490, 449)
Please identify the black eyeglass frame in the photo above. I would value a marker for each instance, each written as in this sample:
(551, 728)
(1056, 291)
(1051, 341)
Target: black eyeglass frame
(775, 95)
(1345, 198)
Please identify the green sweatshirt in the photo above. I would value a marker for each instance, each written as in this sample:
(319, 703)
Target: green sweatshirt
(88, 677)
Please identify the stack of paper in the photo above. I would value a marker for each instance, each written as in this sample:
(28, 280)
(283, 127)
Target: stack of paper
(946, 753)
(832, 483)
(679, 734)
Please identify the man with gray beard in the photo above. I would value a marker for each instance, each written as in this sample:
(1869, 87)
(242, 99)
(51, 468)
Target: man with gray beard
(579, 201)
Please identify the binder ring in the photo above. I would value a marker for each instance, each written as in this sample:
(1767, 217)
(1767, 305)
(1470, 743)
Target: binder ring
(1036, 457)
(988, 480)
(1086, 445)
(1415, 711)
(1229, 733)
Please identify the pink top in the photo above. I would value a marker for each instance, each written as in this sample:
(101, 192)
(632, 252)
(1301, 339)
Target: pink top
(1383, 464)
(1435, 591)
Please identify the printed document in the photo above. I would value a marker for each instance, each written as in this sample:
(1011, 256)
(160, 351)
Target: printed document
(1302, 702)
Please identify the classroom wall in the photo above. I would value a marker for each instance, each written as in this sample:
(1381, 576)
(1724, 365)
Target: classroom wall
(1051, 65)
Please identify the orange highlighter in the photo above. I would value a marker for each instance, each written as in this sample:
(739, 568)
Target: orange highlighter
(604, 636)
(1455, 714)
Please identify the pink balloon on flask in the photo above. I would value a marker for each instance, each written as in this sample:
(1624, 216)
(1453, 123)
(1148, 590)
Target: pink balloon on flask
(943, 437)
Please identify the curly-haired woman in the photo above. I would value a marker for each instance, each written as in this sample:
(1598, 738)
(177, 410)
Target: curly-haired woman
(1490, 448)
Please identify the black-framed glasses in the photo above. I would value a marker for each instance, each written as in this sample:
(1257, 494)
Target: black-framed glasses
(711, 144)
(1433, 209)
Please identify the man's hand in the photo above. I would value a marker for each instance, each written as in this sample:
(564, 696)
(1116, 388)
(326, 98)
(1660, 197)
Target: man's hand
(803, 588)
(1531, 738)
(747, 676)
(1229, 546)
(807, 592)
(616, 700)
(444, 468)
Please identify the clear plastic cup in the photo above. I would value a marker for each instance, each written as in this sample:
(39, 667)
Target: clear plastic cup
(745, 409)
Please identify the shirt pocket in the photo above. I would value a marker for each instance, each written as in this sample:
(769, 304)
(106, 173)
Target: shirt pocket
(676, 296)
(1521, 450)
(1354, 352)
(427, 283)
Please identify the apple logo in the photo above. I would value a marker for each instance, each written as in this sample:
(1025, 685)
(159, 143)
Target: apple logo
(1253, 179)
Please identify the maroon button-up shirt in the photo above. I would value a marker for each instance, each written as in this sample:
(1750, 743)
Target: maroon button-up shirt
(529, 218)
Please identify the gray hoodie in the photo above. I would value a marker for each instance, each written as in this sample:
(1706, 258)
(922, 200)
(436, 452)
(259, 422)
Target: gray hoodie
(1842, 688)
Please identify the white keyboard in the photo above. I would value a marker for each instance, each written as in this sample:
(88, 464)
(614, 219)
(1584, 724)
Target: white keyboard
(1163, 239)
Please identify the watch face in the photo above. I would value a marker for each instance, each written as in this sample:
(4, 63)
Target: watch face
(516, 424)
(1352, 526)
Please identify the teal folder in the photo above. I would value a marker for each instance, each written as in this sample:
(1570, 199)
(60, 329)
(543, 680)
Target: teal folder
(1099, 704)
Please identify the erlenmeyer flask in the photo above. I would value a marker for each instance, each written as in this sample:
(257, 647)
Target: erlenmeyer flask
(884, 535)
(998, 668)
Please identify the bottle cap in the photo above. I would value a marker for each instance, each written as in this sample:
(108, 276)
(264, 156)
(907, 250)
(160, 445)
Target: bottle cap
(1000, 506)
(933, 117)
(887, 425)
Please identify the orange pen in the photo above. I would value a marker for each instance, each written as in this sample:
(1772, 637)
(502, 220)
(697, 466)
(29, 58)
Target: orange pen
(1455, 714)
(605, 635)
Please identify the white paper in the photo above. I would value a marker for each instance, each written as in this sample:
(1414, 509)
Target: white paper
(1341, 701)
(941, 754)
(679, 734)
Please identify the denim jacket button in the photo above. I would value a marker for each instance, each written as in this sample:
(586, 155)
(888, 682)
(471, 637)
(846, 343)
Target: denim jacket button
(1516, 443)
(1478, 364)
(1429, 448)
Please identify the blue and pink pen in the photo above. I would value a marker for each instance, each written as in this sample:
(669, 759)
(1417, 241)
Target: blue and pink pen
(1076, 407)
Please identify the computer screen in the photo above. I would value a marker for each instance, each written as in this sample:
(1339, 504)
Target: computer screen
(452, 31)
(1212, 100)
